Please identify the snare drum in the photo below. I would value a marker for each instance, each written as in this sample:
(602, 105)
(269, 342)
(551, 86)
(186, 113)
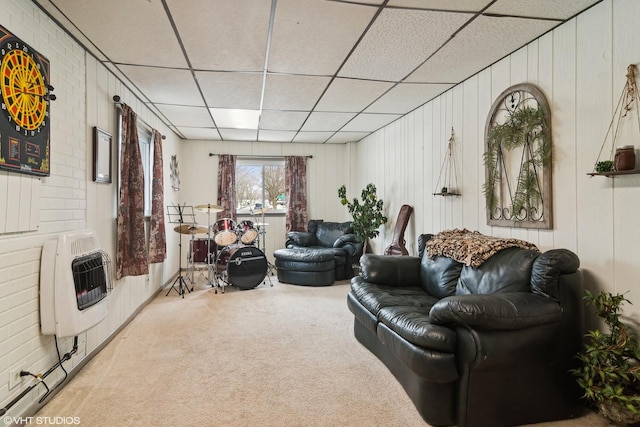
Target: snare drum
(203, 250)
(225, 232)
(246, 266)
(247, 231)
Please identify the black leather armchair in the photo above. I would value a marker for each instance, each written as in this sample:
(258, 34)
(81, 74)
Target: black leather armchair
(338, 237)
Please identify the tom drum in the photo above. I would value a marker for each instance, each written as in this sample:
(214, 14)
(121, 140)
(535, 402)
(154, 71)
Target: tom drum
(225, 232)
(246, 266)
(247, 231)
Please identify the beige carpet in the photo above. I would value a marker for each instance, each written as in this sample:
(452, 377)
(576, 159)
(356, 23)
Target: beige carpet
(270, 356)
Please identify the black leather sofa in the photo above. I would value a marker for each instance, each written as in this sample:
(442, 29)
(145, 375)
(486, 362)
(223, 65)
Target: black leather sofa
(487, 346)
(335, 237)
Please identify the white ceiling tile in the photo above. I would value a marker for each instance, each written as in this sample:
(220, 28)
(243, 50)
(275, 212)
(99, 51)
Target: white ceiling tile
(165, 85)
(553, 9)
(459, 5)
(319, 121)
(399, 41)
(199, 133)
(276, 135)
(181, 115)
(314, 37)
(223, 35)
(406, 97)
(282, 120)
(231, 90)
(369, 122)
(312, 137)
(344, 137)
(284, 92)
(235, 118)
(350, 95)
(239, 134)
(372, 2)
(115, 26)
(481, 43)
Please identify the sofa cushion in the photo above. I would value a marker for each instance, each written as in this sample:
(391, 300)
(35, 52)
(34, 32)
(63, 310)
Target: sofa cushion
(413, 324)
(375, 297)
(498, 311)
(507, 271)
(439, 276)
(328, 232)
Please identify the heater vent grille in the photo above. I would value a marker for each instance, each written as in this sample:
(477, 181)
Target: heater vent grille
(92, 278)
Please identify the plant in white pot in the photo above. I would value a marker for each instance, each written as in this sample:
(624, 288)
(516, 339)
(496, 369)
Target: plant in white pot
(609, 373)
(368, 213)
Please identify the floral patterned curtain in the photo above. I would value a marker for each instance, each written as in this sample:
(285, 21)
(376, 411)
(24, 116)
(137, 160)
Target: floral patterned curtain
(157, 238)
(227, 185)
(296, 187)
(132, 259)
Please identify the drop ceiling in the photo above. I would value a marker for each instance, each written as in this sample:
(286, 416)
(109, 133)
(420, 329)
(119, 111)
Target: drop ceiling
(312, 71)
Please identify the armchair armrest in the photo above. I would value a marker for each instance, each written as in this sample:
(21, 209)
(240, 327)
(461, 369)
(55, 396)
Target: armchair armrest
(350, 243)
(390, 270)
(498, 311)
(300, 238)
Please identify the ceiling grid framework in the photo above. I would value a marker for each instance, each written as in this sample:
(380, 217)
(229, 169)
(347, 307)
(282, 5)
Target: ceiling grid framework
(312, 71)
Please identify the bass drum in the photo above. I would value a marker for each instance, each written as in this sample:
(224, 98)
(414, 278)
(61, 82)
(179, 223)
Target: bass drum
(246, 266)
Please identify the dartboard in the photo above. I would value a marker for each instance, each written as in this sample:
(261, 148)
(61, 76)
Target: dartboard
(23, 90)
(24, 111)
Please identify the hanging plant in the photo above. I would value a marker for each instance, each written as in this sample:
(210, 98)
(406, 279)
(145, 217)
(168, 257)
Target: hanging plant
(525, 128)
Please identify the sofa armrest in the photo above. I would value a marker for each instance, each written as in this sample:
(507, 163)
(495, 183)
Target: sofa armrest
(350, 243)
(300, 238)
(498, 311)
(390, 270)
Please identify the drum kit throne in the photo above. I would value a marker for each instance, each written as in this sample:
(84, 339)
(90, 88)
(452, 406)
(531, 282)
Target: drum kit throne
(231, 252)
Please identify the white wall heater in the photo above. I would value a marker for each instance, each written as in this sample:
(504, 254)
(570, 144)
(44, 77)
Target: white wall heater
(75, 279)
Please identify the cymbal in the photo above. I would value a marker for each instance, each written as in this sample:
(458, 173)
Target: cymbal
(208, 208)
(190, 229)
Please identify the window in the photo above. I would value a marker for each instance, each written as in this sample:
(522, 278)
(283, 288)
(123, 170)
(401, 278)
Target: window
(260, 186)
(145, 142)
(146, 153)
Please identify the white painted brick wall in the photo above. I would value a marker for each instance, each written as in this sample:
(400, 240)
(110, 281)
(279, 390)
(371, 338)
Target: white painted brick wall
(65, 201)
(62, 202)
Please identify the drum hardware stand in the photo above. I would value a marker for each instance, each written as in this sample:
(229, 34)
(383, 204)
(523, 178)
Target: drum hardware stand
(212, 269)
(175, 215)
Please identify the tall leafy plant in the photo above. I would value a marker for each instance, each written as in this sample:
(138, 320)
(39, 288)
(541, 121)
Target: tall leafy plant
(367, 213)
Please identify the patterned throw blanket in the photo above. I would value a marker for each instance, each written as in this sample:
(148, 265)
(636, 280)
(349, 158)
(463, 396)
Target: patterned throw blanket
(471, 247)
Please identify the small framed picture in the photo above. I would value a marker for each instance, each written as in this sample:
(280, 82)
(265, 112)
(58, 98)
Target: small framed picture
(101, 156)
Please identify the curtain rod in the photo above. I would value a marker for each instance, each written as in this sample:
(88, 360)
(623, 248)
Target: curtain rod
(116, 99)
(261, 157)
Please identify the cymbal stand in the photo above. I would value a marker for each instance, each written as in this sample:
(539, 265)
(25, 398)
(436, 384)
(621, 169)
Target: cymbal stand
(262, 230)
(176, 214)
(191, 268)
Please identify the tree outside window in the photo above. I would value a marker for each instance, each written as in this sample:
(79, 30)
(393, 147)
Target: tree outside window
(260, 186)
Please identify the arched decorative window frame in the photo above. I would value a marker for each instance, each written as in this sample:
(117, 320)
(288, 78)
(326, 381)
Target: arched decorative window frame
(541, 217)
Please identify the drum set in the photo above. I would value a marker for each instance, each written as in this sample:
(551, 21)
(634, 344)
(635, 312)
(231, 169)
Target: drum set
(230, 252)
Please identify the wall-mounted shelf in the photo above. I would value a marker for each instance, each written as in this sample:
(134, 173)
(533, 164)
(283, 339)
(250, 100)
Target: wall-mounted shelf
(448, 179)
(615, 173)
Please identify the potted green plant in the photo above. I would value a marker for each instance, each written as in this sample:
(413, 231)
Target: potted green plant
(609, 373)
(368, 214)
